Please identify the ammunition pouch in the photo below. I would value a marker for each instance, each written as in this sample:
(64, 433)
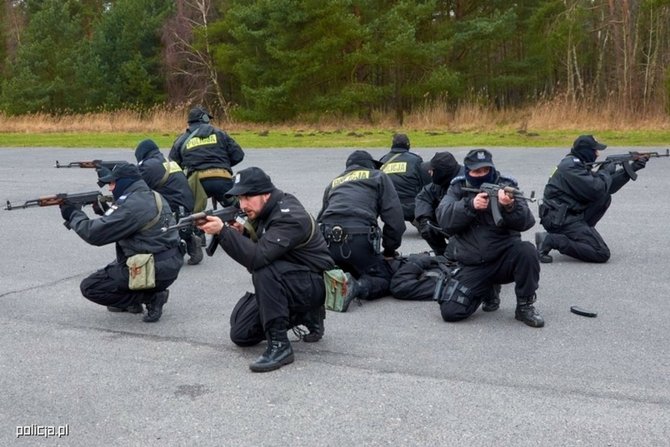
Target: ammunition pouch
(141, 271)
(552, 216)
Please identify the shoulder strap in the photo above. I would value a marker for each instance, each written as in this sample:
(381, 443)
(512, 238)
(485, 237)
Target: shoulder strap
(311, 234)
(389, 161)
(159, 205)
(182, 149)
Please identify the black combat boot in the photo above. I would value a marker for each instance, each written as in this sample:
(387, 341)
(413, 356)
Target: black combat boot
(525, 311)
(194, 250)
(313, 320)
(279, 351)
(492, 302)
(543, 247)
(155, 306)
(356, 289)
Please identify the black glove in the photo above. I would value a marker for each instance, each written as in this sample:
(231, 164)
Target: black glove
(428, 230)
(100, 207)
(640, 163)
(66, 210)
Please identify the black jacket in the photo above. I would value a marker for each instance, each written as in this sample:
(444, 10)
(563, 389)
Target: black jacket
(404, 169)
(476, 238)
(124, 221)
(573, 186)
(285, 231)
(174, 188)
(205, 147)
(359, 196)
(430, 197)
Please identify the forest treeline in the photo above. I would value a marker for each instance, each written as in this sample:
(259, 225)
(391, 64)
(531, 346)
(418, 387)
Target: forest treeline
(278, 60)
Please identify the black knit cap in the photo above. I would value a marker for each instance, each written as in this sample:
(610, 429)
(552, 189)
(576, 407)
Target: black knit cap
(250, 182)
(363, 158)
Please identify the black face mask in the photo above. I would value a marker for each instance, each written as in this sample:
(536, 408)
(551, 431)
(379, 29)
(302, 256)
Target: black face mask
(476, 182)
(587, 155)
(121, 185)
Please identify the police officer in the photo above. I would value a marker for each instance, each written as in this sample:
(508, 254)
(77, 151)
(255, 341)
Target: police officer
(488, 254)
(134, 223)
(286, 255)
(207, 154)
(442, 168)
(575, 199)
(352, 203)
(167, 178)
(406, 172)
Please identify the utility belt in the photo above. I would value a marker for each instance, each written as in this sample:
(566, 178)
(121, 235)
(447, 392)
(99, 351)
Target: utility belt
(213, 172)
(339, 234)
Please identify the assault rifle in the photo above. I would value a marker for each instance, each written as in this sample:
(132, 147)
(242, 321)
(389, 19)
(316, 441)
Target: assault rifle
(492, 190)
(226, 214)
(77, 199)
(623, 160)
(90, 164)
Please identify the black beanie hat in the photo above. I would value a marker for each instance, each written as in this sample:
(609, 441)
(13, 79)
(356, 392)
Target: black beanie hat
(145, 148)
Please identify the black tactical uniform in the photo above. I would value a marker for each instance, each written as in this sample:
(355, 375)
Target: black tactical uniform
(444, 168)
(417, 275)
(348, 219)
(404, 168)
(286, 263)
(208, 153)
(575, 199)
(134, 223)
(487, 254)
(167, 178)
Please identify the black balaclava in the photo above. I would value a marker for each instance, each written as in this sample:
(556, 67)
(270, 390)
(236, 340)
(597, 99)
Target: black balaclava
(121, 185)
(585, 154)
(476, 182)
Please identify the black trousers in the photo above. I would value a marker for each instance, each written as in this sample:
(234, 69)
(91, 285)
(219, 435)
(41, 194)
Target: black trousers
(109, 286)
(580, 239)
(520, 264)
(357, 256)
(283, 290)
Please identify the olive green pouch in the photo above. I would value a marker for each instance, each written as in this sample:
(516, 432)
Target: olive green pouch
(141, 271)
(336, 288)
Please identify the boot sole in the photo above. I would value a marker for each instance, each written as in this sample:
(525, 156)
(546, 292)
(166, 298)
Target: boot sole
(529, 323)
(274, 366)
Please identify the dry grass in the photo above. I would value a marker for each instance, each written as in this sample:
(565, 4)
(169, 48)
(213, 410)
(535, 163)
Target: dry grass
(557, 114)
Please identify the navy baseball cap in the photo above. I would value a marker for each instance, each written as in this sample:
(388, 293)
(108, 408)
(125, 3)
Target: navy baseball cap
(588, 142)
(478, 158)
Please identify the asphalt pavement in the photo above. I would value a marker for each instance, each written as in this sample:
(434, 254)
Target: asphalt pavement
(388, 372)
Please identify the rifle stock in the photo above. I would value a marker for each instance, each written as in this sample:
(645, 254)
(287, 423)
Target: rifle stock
(90, 164)
(81, 199)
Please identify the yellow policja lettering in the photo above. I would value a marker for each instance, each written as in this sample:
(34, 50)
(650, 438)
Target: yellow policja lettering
(399, 167)
(350, 176)
(197, 141)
